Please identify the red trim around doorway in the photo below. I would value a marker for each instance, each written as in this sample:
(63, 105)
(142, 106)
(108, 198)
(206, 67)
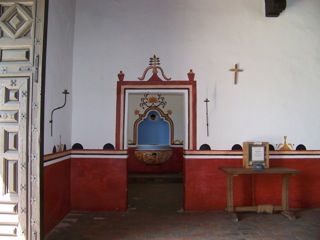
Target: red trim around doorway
(191, 86)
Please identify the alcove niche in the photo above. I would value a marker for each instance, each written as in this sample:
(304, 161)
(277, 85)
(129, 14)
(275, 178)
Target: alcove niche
(155, 124)
(173, 102)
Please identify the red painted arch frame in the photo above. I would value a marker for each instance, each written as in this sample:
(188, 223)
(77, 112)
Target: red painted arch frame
(156, 83)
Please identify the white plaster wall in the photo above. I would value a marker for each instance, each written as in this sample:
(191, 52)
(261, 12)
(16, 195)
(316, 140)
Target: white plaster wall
(277, 94)
(59, 72)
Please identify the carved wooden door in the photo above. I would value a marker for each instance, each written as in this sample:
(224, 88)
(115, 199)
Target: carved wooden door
(21, 46)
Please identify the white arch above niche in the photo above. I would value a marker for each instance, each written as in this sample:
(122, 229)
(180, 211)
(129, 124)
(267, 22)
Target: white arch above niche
(181, 122)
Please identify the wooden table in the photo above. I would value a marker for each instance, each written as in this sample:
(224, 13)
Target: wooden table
(285, 172)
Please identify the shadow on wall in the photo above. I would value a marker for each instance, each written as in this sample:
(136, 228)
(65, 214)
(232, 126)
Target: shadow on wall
(291, 3)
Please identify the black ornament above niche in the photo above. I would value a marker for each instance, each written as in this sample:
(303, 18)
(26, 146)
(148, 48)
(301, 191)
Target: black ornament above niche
(275, 7)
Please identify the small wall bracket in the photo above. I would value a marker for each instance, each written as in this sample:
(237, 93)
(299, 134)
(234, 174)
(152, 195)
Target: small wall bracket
(65, 92)
(207, 115)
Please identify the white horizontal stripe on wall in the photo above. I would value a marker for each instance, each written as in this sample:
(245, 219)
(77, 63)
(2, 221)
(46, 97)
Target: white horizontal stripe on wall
(213, 156)
(240, 157)
(98, 156)
(51, 162)
(57, 160)
(231, 157)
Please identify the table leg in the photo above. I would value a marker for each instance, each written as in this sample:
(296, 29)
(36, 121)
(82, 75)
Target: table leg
(230, 207)
(230, 193)
(285, 198)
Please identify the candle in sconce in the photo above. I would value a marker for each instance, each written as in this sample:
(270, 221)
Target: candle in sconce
(60, 146)
(207, 92)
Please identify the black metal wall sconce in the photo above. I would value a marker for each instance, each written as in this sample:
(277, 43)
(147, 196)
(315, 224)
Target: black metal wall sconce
(65, 92)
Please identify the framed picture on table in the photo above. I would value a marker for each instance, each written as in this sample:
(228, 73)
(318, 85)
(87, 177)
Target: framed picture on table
(255, 154)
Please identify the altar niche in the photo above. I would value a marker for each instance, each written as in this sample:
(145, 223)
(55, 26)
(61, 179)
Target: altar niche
(156, 119)
(156, 123)
(154, 86)
(153, 132)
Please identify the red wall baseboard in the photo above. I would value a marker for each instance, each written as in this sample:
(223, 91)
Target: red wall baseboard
(98, 184)
(97, 181)
(205, 184)
(94, 181)
(304, 187)
(56, 193)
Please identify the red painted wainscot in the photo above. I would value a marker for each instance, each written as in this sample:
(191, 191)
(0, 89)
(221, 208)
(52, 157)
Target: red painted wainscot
(99, 180)
(205, 184)
(56, 188)
(86, 180)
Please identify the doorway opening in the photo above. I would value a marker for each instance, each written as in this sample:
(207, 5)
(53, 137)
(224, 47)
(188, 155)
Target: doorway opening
(156, 133)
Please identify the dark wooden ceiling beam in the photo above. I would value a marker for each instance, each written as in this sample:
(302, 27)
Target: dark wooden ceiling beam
(275, 7)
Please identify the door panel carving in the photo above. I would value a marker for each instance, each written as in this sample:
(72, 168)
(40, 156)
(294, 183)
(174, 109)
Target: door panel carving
(21, 47)
(13, 153)
(16, 19)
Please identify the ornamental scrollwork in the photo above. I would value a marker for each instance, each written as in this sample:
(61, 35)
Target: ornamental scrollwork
(152, 101)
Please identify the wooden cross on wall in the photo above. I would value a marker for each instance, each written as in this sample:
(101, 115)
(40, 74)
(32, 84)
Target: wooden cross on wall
(236, 69)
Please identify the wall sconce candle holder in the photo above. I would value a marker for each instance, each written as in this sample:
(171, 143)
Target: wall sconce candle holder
(65, 92)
